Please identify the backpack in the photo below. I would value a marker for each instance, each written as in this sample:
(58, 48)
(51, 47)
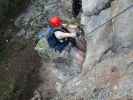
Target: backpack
(54, 42)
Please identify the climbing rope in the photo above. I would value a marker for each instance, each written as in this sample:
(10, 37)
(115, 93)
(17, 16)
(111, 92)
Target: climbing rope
(123, 11)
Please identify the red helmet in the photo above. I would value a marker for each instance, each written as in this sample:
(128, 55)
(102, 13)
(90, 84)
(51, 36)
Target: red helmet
(55, 21)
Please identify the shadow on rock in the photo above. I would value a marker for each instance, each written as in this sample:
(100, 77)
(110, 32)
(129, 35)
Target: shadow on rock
(27, 64)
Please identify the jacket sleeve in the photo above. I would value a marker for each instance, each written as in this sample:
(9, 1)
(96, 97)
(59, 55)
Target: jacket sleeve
(61, 35)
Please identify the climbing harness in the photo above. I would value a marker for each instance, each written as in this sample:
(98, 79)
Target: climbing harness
(123, 11)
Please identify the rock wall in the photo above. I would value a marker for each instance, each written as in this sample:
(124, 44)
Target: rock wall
(35, 18)
(22, 65)
(106, 73)
(54, 73)
(107, 70)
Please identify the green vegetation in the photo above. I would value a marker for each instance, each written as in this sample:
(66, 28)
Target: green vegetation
(3, 56)
(6, 88)
(10, 8)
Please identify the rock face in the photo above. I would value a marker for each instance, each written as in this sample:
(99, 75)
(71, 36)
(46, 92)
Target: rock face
(107, 70)
(35, 18)
(54, 73)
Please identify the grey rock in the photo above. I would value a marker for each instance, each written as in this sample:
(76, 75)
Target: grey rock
(107, 70)
(108, 52)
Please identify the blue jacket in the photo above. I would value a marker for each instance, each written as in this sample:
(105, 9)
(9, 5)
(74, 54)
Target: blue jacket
(54, 42)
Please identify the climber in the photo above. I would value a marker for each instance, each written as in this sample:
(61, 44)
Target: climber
(58, 35)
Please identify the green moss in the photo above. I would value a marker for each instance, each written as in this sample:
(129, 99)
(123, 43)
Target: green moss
(6, 88)
(3, 55)
(11, 8)
(14, 5)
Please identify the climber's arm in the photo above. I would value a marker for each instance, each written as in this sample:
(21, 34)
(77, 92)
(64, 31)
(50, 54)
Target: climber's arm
(61, 35)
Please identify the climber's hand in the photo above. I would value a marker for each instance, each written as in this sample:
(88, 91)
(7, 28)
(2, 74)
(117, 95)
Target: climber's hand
(74, 34)
(77, 34)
